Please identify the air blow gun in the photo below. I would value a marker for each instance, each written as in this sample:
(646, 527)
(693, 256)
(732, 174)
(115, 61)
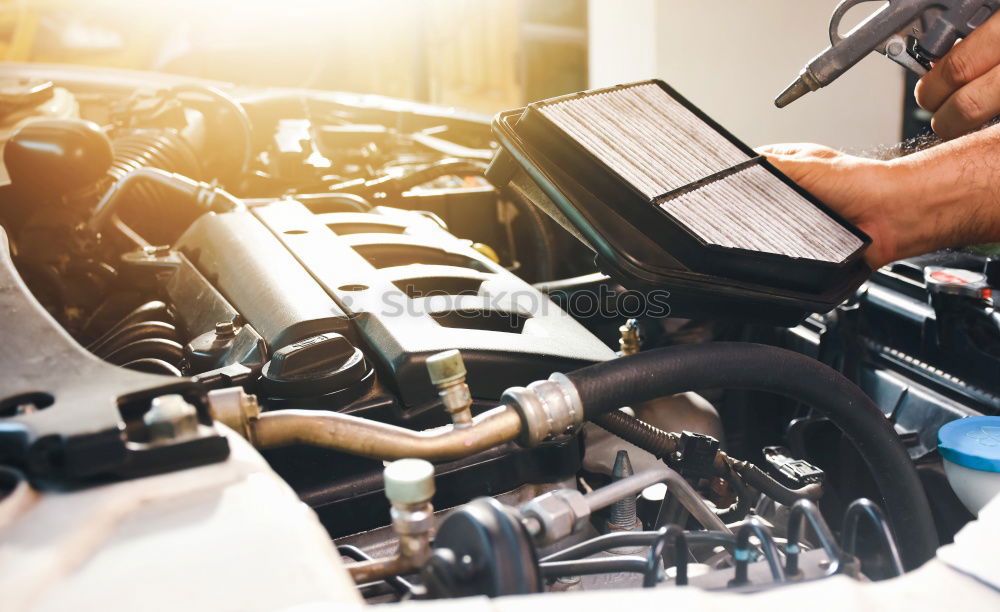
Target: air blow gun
(912, 33)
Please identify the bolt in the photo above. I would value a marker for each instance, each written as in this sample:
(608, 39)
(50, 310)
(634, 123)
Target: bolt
(225, 330)
(623, 512)
(567, 583)
(447, 372)
(629, 337)
(170, 417)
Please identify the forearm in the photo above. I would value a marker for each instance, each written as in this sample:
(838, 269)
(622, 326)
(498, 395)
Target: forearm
(947, 196)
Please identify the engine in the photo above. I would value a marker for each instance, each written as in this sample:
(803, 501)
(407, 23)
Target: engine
(469, 402)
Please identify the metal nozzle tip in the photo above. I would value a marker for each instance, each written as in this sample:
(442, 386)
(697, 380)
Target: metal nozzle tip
(792, 93)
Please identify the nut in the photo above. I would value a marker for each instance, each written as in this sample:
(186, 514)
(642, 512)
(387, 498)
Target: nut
(171, 417)
(560, 513)
(235, 409)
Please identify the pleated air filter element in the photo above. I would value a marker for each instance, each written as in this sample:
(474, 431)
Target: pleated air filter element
(637, 165)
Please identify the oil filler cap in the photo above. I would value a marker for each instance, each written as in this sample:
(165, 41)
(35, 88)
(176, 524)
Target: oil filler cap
(315, 366)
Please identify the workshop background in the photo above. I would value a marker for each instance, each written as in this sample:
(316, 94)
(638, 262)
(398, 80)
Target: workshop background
(731, 57)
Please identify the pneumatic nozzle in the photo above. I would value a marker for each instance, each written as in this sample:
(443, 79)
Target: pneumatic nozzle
(792, 93)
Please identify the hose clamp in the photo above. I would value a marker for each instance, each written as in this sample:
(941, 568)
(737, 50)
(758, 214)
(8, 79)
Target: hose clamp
(549, 409)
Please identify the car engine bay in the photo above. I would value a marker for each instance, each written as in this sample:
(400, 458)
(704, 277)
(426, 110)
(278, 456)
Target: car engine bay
(439, 368)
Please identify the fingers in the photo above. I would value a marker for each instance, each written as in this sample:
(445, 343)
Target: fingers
(966, 62)
(804, 171)
(799, 150)
(970, 107)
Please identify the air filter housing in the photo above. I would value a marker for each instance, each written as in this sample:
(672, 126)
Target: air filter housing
(669, 199)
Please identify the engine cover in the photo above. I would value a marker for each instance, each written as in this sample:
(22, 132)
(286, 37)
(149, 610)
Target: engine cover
(393, 281)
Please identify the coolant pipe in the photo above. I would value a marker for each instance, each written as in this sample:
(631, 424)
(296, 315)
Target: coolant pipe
(381, 441)
(203, 195)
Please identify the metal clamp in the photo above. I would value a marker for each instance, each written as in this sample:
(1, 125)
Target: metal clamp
(549, 409)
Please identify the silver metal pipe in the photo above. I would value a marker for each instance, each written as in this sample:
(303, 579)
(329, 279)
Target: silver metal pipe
(376, 440)
(633, 485)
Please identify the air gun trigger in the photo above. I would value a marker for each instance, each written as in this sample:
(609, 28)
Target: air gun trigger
(903, 50)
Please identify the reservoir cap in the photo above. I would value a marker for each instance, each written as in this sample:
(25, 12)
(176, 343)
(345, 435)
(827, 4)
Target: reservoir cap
(972, 442)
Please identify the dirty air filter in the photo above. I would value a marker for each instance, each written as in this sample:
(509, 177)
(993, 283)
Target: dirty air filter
(668, 199)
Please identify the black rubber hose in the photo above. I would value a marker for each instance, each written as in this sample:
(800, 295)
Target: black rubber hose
(152, 366)
(606, 386)
(147, 348)
(131, 333)
(155, 310)
(238, 112)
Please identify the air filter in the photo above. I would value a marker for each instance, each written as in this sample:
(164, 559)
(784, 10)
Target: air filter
(669, 199)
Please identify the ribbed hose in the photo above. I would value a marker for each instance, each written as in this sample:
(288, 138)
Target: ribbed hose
(651, 439)
(160, 149)
(154, 149)
(606, 386)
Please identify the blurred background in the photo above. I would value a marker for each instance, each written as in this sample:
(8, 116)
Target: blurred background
(730, 57)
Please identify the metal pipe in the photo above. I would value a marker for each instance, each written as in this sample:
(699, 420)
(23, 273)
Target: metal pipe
(658, 551)
(602, 565)
(754, 527)
(402, 586)
(622, 539)
(607, 495)
(805, 510)
(381, 569)
(866, 508)
(381, 441)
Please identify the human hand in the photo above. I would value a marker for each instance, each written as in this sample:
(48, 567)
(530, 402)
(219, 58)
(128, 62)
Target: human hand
(963, 89)
(860, 189)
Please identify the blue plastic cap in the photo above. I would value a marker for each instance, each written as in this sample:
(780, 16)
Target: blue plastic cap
(972, 442)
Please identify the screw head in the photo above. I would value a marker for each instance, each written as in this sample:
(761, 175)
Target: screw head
(446, 367)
